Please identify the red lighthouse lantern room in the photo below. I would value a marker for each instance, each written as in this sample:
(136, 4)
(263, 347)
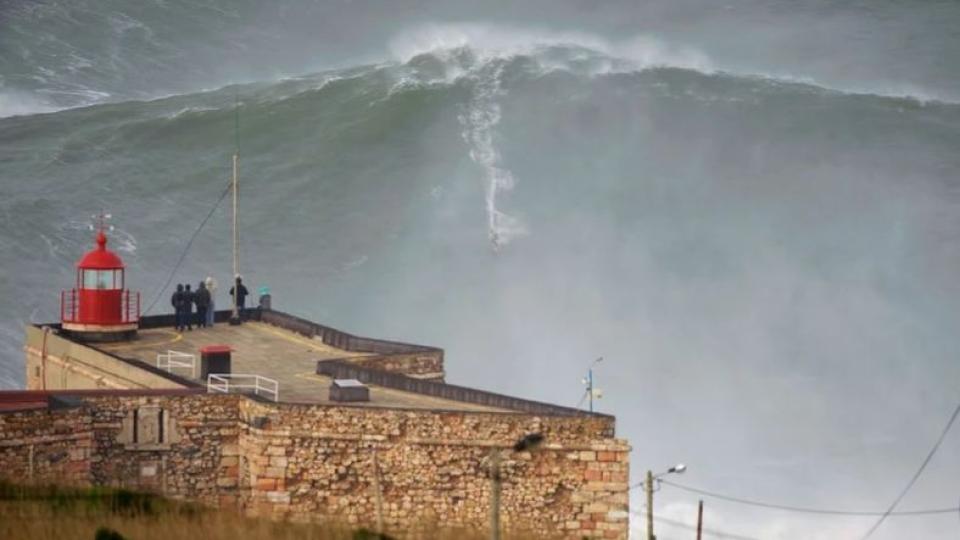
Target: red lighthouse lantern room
(99, 308)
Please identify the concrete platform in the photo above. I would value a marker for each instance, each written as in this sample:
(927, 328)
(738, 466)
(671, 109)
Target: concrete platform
(277, 353)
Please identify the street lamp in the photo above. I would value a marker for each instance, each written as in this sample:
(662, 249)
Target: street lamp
(588, 381)
(679, 468)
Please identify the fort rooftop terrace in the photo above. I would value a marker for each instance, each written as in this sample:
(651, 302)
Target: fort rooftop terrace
(301, 358)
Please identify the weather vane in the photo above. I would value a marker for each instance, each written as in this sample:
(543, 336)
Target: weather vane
(101, 222)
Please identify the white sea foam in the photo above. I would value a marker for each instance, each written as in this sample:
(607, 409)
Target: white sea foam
(637, 53)
(188, 110)
(350, 265)
(18, 104)
(489, 41)
(123, 241)
(485, 40)
(53, 249)
(479, 122)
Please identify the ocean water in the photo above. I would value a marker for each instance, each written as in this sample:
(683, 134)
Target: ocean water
(749, 211)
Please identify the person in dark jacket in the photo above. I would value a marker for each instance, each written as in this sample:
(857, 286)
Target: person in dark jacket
(177, 301)
(241, 297)
(201, 299)
(188, 306)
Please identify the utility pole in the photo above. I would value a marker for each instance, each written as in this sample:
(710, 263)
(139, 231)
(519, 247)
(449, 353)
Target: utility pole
(528, 443)
(649, 487)
(699, 519)
(378, 495)
(235, 315)
(495, 485)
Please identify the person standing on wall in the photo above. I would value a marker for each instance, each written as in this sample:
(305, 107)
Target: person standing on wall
(188, 306)
(240, 297)
(177, 301)
(201, 299)
(211, 285)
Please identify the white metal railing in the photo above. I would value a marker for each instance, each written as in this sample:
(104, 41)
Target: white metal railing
(170, 360)
(227, 382)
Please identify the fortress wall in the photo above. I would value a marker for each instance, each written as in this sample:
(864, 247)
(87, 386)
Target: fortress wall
(56, 363)
(44, 446)
(319, 461)
(310, 462)
(188, 451)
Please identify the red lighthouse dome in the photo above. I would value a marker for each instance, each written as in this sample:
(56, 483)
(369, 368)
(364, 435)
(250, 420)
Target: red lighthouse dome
(99, 308)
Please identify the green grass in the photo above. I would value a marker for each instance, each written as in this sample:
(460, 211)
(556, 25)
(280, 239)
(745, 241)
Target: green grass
(62, 513)
(48, 512)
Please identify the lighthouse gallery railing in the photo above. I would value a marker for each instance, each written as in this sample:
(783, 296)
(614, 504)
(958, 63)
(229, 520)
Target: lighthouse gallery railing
(129, 304)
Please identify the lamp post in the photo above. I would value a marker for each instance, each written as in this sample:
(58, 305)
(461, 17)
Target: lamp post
(648, 487)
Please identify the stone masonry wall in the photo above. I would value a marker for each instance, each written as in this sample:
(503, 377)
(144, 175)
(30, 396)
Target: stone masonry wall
(46, 446)
(319, 461)
(198, 458)
(428, 366)
(316, 461)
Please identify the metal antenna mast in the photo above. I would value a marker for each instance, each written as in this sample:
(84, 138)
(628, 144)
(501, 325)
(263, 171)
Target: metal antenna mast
(235, 316)
(588, 381)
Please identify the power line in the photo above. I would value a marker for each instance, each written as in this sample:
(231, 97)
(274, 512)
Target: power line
(705, 530)
(186, 249)
(806, 510)
(917, 474)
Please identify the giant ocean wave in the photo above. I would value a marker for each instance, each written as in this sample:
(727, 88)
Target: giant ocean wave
(476, 136)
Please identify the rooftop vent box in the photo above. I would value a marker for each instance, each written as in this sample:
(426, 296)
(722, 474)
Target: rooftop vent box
(349, 390)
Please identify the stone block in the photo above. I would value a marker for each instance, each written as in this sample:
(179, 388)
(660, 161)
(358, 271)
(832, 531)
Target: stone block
(618, 477)
(273, 472)
(278, 497)
(596, 507)
(588, 455)
(266, 484)
(226, 482)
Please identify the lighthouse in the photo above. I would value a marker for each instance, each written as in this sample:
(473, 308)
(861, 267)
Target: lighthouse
(99, 308)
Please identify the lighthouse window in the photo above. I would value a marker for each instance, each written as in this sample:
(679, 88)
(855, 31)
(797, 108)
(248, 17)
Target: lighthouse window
(98, 279)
